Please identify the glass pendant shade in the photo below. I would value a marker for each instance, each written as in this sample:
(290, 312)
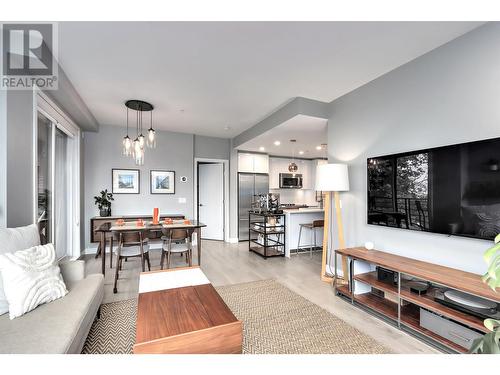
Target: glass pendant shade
(127, 146)
(139, 157)
(151, 142)
(136, 147)
(142, 140)
(138, 153)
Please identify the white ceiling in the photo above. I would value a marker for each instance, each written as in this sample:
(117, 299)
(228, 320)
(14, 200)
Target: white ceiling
(205, 76)
(308, 132)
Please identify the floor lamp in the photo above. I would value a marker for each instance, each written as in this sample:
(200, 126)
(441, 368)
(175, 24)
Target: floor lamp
(332, 178)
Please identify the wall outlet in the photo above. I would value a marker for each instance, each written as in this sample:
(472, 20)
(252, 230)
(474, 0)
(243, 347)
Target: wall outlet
(182, 200)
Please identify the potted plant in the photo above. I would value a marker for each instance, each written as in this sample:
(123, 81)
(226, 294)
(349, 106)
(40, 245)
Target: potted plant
(490, 342)
(103, 201)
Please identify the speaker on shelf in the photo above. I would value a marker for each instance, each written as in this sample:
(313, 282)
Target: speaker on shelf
(387, 276)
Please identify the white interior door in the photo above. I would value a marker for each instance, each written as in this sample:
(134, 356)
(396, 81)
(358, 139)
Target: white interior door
(211, 200)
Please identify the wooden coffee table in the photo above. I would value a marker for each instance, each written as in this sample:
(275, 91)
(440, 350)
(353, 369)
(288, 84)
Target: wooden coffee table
(179, 311)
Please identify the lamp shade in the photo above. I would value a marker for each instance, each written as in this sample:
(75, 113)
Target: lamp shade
(332, 177)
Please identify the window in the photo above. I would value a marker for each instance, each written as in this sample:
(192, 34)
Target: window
(57, 179)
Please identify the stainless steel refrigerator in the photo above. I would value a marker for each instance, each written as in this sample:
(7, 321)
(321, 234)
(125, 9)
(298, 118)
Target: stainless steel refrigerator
(249, 184)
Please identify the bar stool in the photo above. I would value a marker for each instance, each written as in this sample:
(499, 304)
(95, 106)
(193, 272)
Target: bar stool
(311, 226)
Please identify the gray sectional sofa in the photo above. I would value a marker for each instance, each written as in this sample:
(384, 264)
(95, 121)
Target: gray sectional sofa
(60, 326)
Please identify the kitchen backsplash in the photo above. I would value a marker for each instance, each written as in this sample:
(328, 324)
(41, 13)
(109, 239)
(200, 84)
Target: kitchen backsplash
(297, 196)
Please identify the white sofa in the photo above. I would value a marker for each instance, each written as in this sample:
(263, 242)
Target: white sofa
(60, 326)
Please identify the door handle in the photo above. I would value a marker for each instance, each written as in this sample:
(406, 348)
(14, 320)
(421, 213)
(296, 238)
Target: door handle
(201, 205)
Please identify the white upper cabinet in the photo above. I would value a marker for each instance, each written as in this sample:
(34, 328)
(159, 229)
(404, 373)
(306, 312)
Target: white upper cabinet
(253, 163)
(245, 162)
(260, 163)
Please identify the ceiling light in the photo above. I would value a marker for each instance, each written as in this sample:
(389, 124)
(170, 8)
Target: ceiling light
(262, 148)
(151, 141)
(301, 152)
(277, 143)
(318, 148)
(136, 148)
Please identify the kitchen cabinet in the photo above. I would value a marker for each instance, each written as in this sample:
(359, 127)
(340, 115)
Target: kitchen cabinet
(245, 163)
(253, 163)
(260, 163)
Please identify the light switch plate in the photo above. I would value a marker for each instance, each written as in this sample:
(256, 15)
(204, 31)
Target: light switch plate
(182, 200)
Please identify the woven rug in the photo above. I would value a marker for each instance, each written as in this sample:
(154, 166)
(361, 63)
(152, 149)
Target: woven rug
(275, 321)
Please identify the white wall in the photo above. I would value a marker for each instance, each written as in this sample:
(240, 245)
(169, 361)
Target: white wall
(450, 95)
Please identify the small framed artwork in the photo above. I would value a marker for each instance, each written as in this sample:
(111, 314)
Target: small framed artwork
(125, 181)
(162, 182)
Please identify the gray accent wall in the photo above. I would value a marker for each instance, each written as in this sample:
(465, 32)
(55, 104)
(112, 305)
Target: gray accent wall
(211, 147)
(3, 158)
(103, 151)
(19, 162)
(450, 95)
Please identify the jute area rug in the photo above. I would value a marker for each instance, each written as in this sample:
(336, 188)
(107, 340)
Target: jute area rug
(275, 321)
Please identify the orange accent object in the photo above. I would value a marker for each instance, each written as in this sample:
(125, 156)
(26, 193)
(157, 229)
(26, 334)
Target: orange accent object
(156, 215)
(187, 222)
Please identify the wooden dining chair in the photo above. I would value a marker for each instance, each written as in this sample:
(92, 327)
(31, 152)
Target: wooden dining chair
(131, 245)
(176, 241)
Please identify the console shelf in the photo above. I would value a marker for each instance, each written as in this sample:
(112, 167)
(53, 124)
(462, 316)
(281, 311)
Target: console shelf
(425, 300)
(384, 297)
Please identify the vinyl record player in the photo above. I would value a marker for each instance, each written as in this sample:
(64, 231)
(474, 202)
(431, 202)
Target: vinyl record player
(480, 307)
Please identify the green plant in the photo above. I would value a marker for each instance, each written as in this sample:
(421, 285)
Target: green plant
(104, 200)
(490, 342)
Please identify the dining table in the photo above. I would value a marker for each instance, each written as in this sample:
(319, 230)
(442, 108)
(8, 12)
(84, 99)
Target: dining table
(147, 226)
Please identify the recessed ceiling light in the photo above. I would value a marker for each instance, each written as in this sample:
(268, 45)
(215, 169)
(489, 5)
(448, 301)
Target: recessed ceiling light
(261, 148)
(301, 152)
(318, 148)
(277, 143)
(227, 127)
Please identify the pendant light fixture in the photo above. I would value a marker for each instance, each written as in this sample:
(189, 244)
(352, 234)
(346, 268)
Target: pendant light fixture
(141, 138)
(292, 167)
(151, 142)
(136, 148)
(127, 142)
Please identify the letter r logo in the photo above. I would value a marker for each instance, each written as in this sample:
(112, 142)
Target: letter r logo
(27, 49)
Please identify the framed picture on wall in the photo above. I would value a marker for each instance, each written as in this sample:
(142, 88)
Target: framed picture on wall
(125, 181)
(162, 182)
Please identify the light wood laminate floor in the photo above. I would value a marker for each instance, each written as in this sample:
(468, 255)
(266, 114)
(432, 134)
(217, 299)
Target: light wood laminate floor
(225, 264)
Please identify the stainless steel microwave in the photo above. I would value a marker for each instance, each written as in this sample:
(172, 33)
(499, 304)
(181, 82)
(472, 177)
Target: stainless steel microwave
(290, 181)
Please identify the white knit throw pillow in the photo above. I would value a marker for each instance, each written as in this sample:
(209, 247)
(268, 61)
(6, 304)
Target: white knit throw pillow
(31, 277)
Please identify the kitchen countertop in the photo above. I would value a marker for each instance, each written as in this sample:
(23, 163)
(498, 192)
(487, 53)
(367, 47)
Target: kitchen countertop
(303, 210)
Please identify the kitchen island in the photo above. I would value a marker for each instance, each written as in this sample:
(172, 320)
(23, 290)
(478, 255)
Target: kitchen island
(294, 218)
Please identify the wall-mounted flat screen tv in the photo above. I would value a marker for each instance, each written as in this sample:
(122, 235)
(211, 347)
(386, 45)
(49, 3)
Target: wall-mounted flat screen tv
(453, 190)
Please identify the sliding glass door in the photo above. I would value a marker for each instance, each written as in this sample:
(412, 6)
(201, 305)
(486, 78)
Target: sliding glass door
(44, 178)
(56, 188)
